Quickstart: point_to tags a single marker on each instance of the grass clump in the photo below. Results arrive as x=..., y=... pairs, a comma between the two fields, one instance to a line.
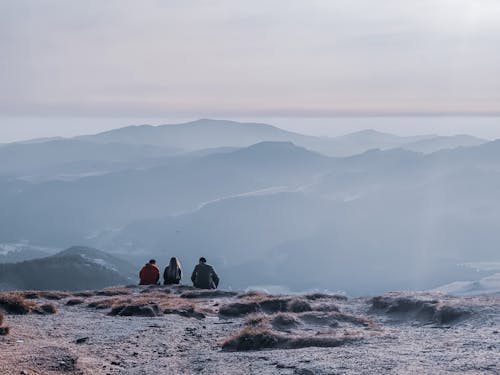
x=3, y=330
x=316, y=296
x=14, y=303
x=284, y=321
x=50, y=295
x=74, y=301
x=46, y=309
x=110, y=292
x=207, y=294
x=239, y=308
x=85, y=293
x=145, y=310
x=252, y=338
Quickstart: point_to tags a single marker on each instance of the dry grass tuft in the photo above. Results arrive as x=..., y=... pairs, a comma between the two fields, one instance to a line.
x=50, y=295
x=316, y=296
x=14, y=303
x=264, y=303
x=207, y=294
x=85, y=293
x=107, y=303
x=116, y=291
x=75, y=301
x=46, y=309
x=146, y=310
x=239, y=308
x=3, y=330
x=320, y=319
x=423, y=310
x=253, y=294
x=449, y=314
x=261, y=337
x=255, y=320
x=298, y=306
x=252, y=338
x=284, y=321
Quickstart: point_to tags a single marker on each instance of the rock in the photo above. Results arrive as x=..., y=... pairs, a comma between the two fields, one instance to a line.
x=81, y=340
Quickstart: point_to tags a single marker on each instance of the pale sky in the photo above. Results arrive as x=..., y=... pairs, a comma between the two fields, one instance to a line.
x=234, y=59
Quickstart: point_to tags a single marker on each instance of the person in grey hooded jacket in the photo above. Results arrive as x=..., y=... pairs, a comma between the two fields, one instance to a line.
x=204, y=276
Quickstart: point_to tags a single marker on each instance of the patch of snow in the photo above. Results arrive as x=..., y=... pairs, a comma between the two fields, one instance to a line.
x=100, y=262
x=486, y=285
x=482, y=266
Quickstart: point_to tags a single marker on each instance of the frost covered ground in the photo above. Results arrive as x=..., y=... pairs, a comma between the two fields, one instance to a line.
x=182, y=331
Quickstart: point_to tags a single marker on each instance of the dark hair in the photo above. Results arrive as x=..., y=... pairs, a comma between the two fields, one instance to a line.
x=152, y=261
x=203, y=260
x=174, y=263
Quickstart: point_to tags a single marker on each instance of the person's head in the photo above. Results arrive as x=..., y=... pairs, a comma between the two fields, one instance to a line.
x=174, y=262
x=203, y=260
x=152, y=261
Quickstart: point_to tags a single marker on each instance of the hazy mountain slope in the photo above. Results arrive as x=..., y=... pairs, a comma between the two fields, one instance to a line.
x=95, y=203
x=27, y=158
x=199, y=134
x=253, y=210
x=208, y=133
x=438, y=143
x=228, y=231
x=361, y=141
x=102, y=258
x=72, y=269
x=382, y=213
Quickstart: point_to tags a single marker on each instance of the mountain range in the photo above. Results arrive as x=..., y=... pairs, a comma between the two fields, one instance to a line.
x=262, y=204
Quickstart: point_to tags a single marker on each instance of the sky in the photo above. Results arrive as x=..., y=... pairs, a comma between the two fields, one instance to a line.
x=182, y=59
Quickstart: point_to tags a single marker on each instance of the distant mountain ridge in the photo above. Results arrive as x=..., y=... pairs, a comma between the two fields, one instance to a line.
x=146, y=146
x=209, y=133
x=76, y=268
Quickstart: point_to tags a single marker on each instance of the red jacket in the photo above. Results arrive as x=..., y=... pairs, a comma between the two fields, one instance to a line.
x=149, y=275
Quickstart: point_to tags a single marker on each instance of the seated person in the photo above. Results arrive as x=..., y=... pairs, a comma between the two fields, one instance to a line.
x=150, y=274
x=204, y=276
x=173, y=272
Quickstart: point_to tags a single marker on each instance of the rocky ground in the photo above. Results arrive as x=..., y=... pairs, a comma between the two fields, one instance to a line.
x=159, y=330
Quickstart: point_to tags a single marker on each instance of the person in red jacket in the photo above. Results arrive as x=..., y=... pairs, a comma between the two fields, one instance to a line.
x=150, y=274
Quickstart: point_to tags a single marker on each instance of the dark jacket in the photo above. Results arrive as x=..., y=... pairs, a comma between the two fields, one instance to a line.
x=171, y=279
x=204, y=277
x=149, y=275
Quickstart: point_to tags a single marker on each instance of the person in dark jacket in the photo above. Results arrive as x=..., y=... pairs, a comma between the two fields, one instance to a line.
x=204, y=276
x=173, y=272
x=150, y=274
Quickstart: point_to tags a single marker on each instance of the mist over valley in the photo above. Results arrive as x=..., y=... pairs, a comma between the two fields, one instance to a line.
x=363, y=213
